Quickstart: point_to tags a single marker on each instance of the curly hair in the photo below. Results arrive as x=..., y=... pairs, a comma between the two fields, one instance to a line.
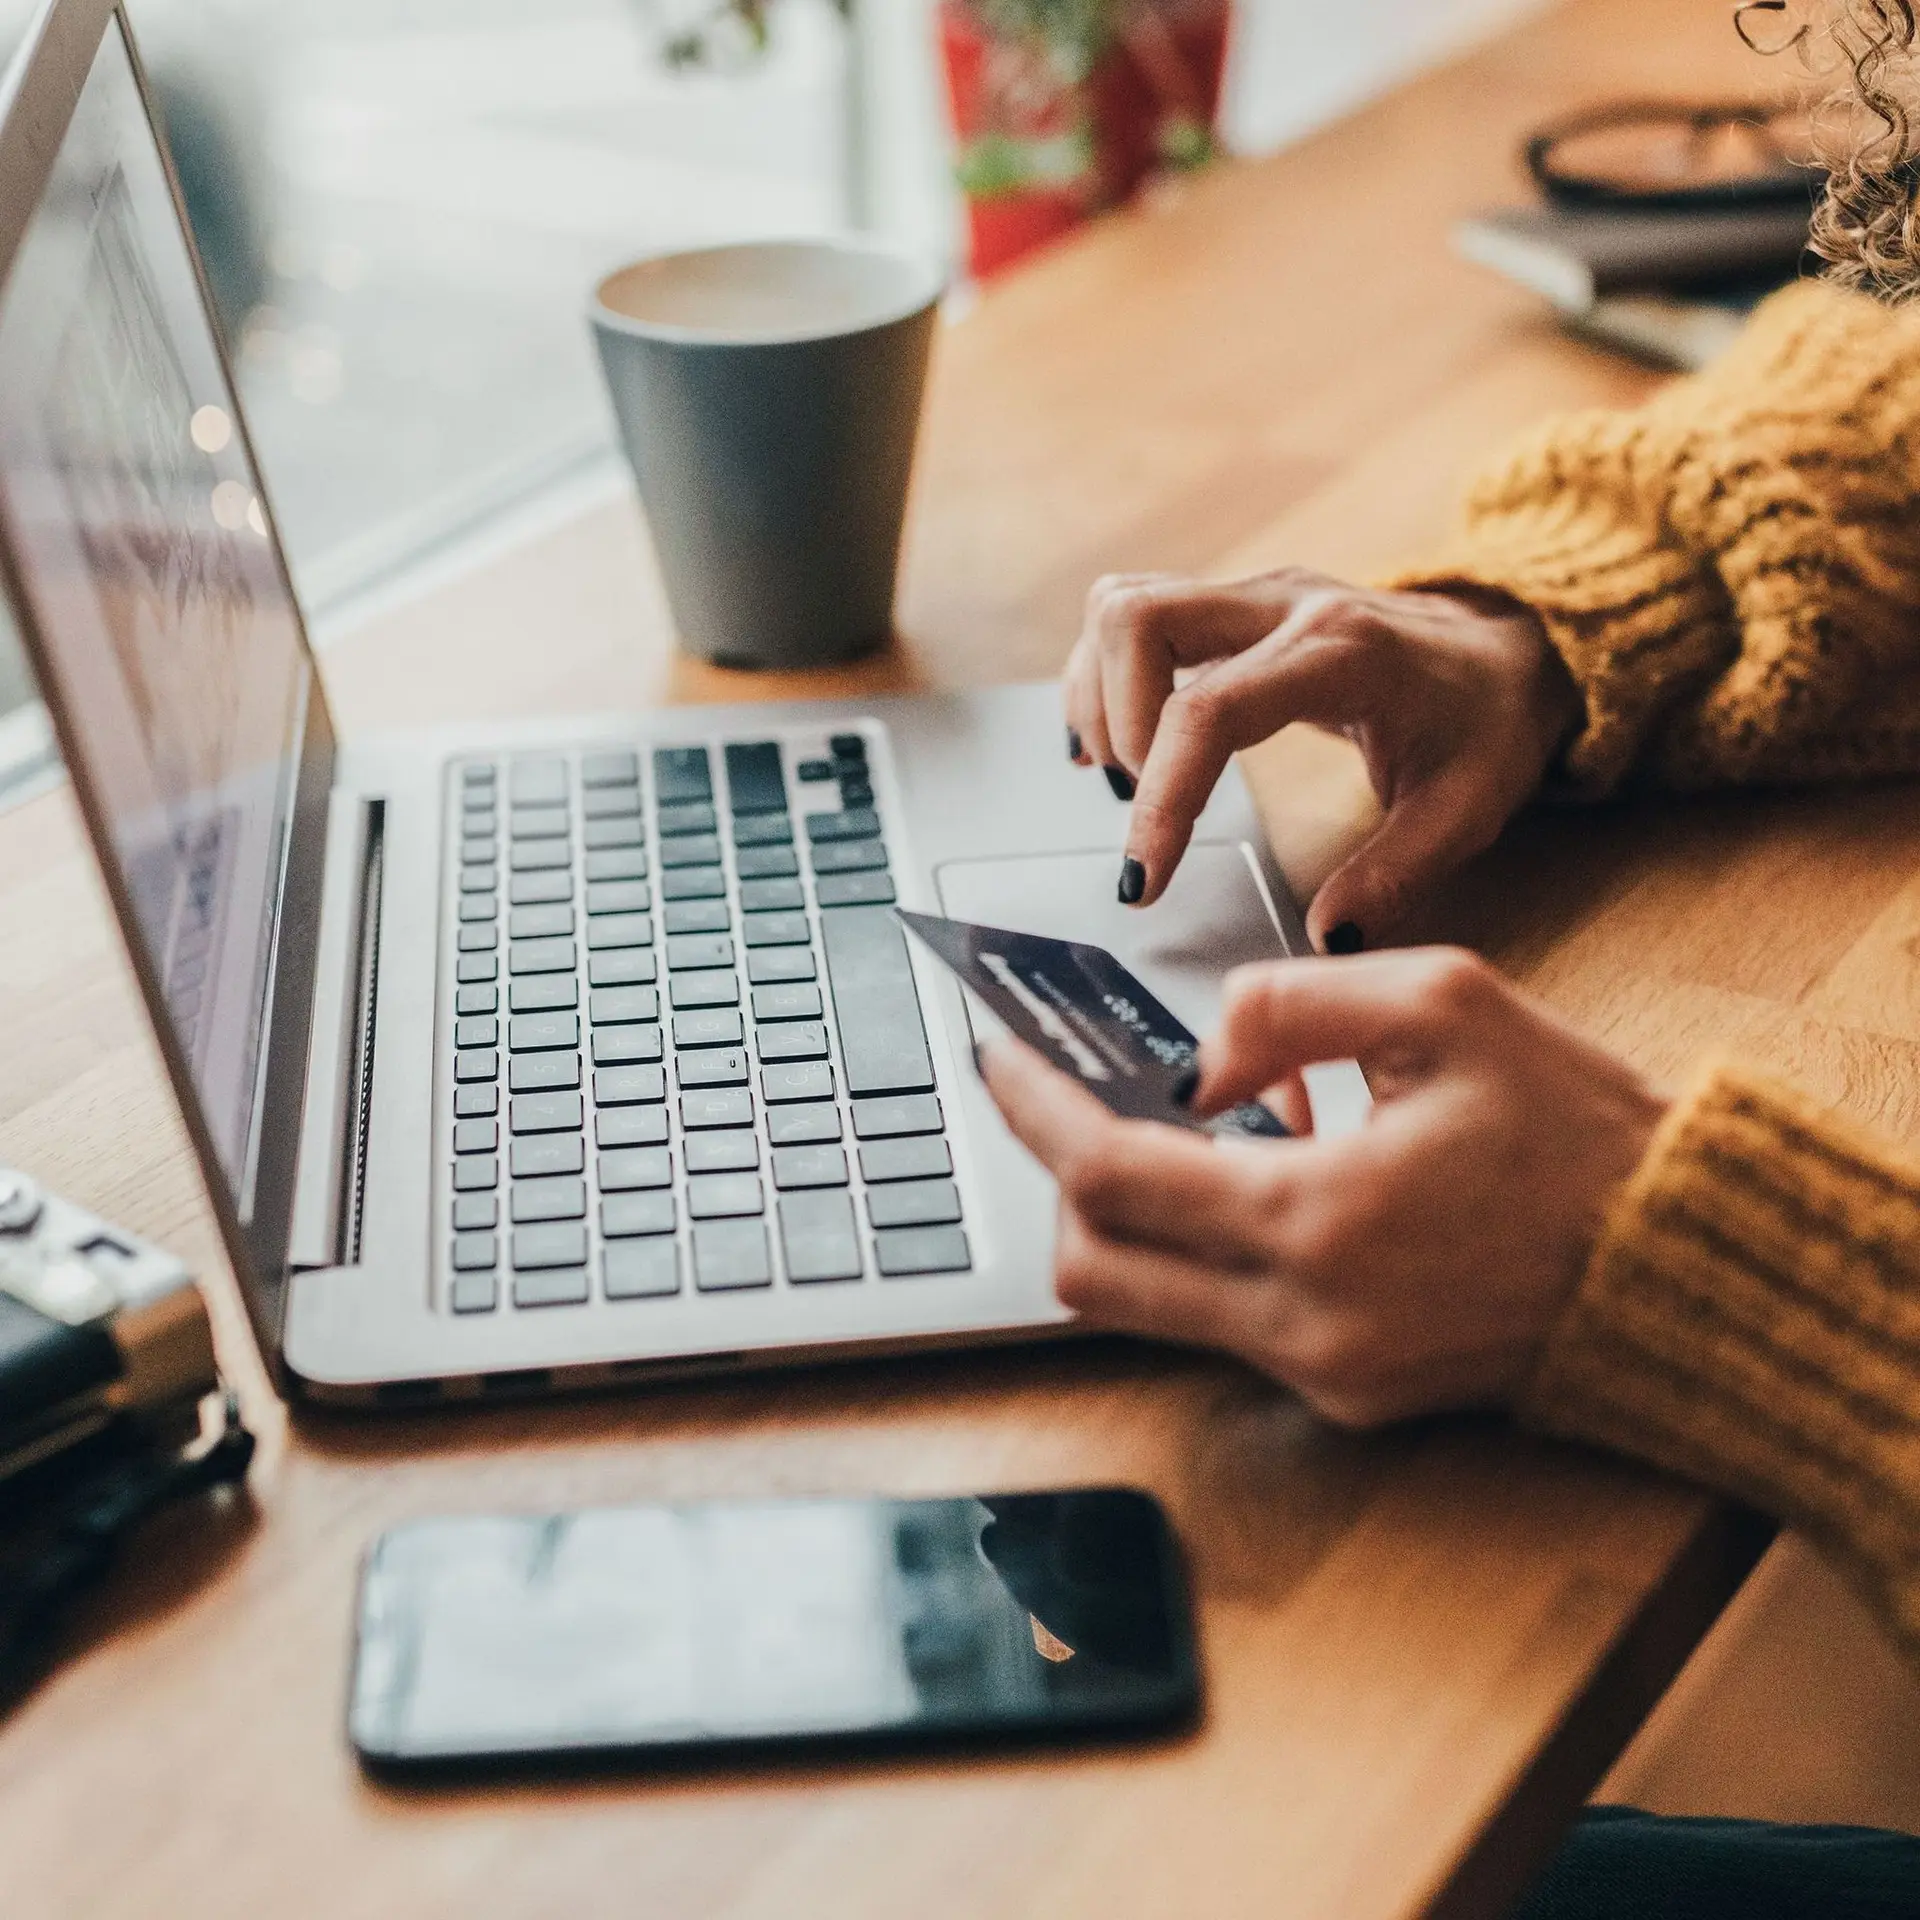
x=1867, y=225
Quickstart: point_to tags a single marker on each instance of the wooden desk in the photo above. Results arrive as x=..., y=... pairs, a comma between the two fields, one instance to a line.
x=1421, y=1648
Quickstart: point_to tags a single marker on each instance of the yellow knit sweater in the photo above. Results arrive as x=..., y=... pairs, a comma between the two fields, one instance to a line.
x=1732, y=575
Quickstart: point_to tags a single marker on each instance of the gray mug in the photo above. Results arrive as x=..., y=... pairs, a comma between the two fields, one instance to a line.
x=769, y=396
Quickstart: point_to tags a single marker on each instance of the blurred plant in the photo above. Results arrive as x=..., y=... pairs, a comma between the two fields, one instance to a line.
x=719, y=34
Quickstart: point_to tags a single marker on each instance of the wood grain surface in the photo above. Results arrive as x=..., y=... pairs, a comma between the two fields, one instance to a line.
x=1421, y=1648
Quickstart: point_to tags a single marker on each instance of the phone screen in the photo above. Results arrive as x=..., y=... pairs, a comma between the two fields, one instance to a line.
x=625, y=1630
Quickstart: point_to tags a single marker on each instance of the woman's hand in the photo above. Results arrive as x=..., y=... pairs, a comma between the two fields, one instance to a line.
x=1457, y=702
x=1413, y=1265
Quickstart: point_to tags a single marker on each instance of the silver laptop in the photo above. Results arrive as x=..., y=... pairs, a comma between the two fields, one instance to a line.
x=565, y=1054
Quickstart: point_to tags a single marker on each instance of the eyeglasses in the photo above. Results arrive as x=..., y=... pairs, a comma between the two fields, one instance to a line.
x=1667, y=155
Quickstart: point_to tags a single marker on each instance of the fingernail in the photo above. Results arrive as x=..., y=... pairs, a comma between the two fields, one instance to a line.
x=1075, y=751
x=1345, y=938
x=1120, y=780
x=1133, y=882
x=1186, y=1087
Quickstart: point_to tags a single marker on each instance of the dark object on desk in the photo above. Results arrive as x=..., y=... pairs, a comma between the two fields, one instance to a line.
x=637, y=1633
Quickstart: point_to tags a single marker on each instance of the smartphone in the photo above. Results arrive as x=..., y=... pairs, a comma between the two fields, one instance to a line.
x=653, y=1632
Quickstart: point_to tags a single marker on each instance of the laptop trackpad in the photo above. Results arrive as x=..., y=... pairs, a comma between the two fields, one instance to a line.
x=1214, y=917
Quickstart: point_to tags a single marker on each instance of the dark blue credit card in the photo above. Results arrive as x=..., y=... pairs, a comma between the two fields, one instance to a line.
x=1078, y=1007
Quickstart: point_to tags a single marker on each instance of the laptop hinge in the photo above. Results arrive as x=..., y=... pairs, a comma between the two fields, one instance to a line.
x=327, y=1198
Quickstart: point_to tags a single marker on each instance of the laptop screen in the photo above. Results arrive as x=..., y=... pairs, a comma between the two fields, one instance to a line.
x=166, y=629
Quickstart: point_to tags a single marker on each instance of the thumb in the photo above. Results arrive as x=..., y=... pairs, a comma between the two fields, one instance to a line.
x=1289, y=1014
x=1426, y=834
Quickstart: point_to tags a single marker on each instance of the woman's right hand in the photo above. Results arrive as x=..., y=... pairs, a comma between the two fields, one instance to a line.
x=1457, y=702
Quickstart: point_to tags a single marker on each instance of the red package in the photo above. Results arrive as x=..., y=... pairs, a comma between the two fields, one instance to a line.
x=1062, y=107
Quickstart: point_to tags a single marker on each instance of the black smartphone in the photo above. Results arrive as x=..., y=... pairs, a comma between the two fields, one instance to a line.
x=635, y=1633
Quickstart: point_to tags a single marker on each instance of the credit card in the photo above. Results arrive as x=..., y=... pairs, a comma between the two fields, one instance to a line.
x=1078, y=1007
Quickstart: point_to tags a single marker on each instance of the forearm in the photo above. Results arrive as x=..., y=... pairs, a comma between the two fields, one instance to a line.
x=1751, y=1318
x=1732, y=573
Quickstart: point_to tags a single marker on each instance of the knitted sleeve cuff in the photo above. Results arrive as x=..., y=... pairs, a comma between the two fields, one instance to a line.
x=1751, y=1318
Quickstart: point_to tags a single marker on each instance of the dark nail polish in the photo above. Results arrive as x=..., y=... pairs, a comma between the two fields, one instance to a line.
x=1120, y=780
x=1345, y=938
x=1186, y=1087
x=1075, y=751
x=1133, y=882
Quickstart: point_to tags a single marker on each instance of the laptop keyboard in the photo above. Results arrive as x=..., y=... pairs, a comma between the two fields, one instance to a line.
x=688, y=1048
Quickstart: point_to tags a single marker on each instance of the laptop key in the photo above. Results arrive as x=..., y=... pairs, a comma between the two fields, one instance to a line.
x=755, y=783
x=689, y=816
x=770, y=896
x=640, y=1269
x=855, y=793
x=609, y=769
x=724, y=1196
x=775, y=929
x=543, y=993
x=631, y=1127
x=697, y=916
x=687, y=951
x=815, y=770
x=477, y=1173
x=924, y=1158
x=854, y=889
x=630, y=1169
x=599, y=834
x=731, y=1254
x=538, y=823
x=622, y=1046
x=478, y=773
x=705, y=1107
x=476, y=1136
x=475, y=967
x=479, y=1063
x=541, y=956
x=608, y=930
x=795, y=1167
x=735, y=1151
x=690, y=850
x=539, y=889
x=475, y=1212
x=478, y=906
x=848, y=856
x=556, y=1199
x=851, y=823
x=542, y=1072
x=800, y=1040
x=537, y=780
x=560, y=1243
x=535, y=1032
x=616, y=863
x=806, y=1124
x=771, y=966
x=811, y=1080
x=708, y=1027
x=762, y=830
x=625, y=1215
x=476, y=1030
x=818, y=1237
x=714, y=1067
x=539, y=856
x=479, y=875
x=847, y=746
x=709, y=987
x=472, y=1000
x=681, y=773
x=765, y=863
x=474, y=1101
x=558, y=1287
x=478, y=940
x=610, y=803
x=883, y=1044
x=540, y=923
x=473, y=1252
x=884, y=1119
x=693, y=883
x=914, y=1250
x=797, y=1000
x=619, y=896
x=914, y=1203
x=612, y=1006
x=545, y=1113
x=629, y=1086
x=623, y=967
x=544, y=1154
x=474, y=1293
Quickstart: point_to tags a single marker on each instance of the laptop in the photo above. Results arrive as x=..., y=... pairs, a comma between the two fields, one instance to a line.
x=541, y=1056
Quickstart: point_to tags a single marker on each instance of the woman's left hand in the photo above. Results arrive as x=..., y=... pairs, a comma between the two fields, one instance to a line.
x=1416, y=1264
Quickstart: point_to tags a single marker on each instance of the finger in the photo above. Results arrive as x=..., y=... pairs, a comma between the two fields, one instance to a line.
x=1080, y=684
x=1304, y=670
x=1426, y=834
x=1290, y=1014
x=1159, y=1185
